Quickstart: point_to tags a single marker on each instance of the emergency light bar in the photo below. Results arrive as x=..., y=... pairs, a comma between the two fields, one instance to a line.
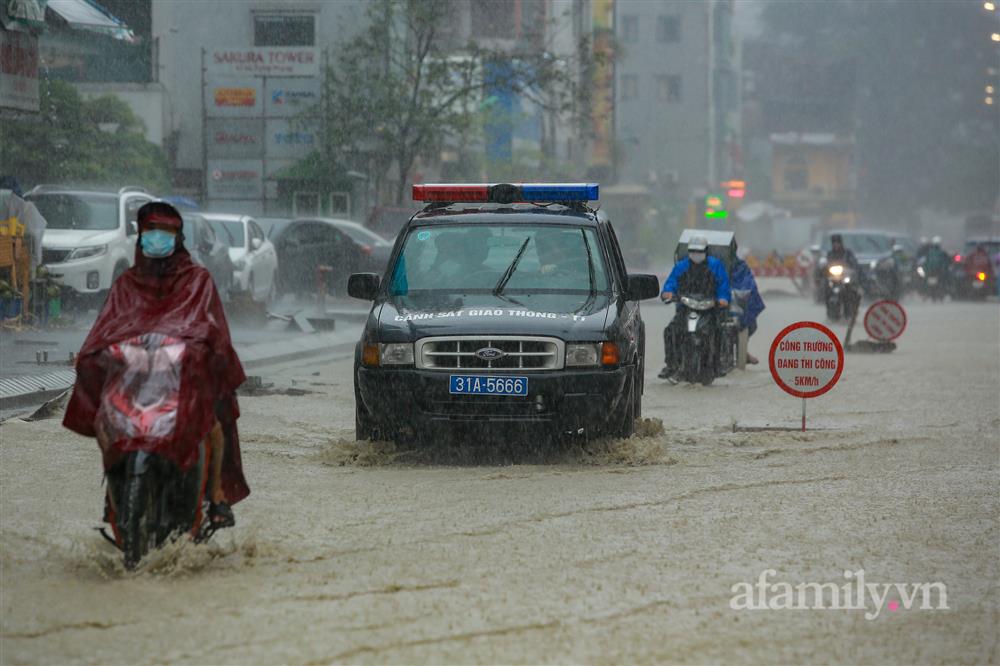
x=504, y=192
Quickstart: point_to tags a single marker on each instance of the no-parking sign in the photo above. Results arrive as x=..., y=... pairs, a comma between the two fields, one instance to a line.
x=806, y=361
x=885, y=320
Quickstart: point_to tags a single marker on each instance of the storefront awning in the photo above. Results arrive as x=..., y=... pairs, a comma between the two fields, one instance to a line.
x=87, y=15
x=23, y=15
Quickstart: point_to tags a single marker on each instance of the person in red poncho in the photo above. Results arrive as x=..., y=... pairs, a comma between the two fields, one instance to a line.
x=166, y=293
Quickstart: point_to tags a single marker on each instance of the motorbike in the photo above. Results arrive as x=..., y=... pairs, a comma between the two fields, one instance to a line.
x=150, y=500
x=699, y=343
x=933, y=284
x=734, y=345
x=840, y=294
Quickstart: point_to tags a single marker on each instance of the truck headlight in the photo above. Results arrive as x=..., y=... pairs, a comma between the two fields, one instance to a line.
x=85, y=252
x=396, y=353
x=584, y=354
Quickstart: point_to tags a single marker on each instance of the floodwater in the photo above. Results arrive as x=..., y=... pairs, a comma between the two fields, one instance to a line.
x=602, y=553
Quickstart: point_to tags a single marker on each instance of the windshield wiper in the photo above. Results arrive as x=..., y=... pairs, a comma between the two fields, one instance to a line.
x=505, y=278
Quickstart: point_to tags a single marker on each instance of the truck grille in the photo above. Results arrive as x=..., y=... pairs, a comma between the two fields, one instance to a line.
x=509, y=353
x=50, y=256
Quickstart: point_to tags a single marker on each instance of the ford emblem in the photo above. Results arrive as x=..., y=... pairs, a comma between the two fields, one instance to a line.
x=490, y=353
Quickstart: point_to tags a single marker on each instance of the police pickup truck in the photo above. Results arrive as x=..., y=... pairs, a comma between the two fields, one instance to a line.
x=505, y=307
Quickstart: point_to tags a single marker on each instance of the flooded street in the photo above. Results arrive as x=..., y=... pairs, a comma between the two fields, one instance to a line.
x=606, y=552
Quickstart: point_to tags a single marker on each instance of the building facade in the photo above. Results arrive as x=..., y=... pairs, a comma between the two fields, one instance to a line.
x=677, y=115
x=235, y=77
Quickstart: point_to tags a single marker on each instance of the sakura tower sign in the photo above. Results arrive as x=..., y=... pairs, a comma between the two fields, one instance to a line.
x=253, y=99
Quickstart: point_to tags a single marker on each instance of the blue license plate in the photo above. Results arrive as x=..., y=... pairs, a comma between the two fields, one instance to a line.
x=487, y=385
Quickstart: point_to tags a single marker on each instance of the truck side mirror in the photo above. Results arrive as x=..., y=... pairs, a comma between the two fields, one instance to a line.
x=363, y=285
x=642, y=286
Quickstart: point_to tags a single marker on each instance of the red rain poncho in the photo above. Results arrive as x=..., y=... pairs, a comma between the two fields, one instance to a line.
x=177, y=298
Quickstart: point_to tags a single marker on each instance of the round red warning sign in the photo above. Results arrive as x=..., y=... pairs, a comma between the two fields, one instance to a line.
x=806, y=359
x=885, y=320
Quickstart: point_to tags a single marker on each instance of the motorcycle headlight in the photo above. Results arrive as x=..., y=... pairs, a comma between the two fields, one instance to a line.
x=85, y=252
x=583, y=354
x=920, y=271
x=240, y=264
x=873, y=264
x=836, y=270
x=697, y=304
x=396, y=353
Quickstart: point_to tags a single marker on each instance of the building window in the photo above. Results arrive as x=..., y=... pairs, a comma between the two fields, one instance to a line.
x=630, y=87
x=284, y=30
x=796, y=174
x=630, y=29
x=668, y=29
x=495, y=19
x=340, y=203
x=668, y=88
x=305, y=204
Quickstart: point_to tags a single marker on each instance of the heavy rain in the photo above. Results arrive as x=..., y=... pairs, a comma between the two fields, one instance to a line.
x=499, y=331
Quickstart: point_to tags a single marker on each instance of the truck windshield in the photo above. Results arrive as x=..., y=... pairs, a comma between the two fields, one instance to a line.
x=77, y=211
x=474, y=258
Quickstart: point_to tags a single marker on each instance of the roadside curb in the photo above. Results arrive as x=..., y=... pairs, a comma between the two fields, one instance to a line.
x=26, y=390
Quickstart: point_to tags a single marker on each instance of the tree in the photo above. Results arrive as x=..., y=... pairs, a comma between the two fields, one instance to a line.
x=73, y=140
x=915, y=74
x=403, y=88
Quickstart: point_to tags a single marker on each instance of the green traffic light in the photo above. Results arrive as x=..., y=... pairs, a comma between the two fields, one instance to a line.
x=716, y=214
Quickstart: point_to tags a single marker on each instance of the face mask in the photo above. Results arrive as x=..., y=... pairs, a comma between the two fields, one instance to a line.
x=157, y=244
x=696, y=257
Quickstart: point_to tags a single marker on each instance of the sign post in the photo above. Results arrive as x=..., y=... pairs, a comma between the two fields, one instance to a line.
x=806, y=361
x=885, y=321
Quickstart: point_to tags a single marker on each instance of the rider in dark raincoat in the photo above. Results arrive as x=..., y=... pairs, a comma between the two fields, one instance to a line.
x=166, y=293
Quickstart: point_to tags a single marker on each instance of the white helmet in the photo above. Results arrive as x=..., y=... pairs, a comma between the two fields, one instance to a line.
x=698, y=244
x=936, y=241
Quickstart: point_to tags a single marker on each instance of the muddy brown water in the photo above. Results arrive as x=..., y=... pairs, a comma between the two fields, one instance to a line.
x=601, y=552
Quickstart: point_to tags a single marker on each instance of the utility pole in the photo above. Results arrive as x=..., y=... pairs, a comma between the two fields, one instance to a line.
x=711, y=94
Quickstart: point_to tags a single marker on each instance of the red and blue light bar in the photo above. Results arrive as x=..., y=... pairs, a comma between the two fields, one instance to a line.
x=504, y=192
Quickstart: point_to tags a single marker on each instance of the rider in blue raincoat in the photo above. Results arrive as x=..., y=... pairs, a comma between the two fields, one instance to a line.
x=699, y=273
x=742, y=280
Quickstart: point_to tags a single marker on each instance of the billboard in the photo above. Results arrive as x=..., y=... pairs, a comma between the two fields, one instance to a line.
x=19, y=71
x=263, y=61
x=234, y=98
x=235, y=179
x=289, y=139
x=289, y=96
x=234, y=137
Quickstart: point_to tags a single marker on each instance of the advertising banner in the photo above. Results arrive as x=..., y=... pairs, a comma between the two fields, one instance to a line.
x=289, y=96
x=289, y=139
x=234, y=137
x=235, y=179
x=234, y=98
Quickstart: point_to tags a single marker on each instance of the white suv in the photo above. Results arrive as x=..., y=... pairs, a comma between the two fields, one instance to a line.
x=89, y=235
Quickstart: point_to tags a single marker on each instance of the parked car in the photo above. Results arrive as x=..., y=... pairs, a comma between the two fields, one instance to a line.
x=304, y=245
x=255, y=261
x=90, y=235
x=202, y=240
